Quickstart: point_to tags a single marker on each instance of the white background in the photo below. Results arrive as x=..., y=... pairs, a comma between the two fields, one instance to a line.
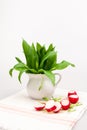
x=61, y=22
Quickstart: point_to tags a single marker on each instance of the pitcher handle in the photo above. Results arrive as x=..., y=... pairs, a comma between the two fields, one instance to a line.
x=58, y=79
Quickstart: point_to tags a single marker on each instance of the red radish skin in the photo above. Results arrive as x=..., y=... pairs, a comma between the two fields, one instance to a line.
x=58, y=107
x=39, y=106
x=72, y=92
x=50, y=106
x=73, y=98
x=65, y=104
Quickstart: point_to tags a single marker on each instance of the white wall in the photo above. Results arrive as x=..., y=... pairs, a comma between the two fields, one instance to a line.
x=62, y=22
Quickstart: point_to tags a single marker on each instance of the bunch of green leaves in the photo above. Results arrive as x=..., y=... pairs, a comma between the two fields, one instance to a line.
x=39, y=60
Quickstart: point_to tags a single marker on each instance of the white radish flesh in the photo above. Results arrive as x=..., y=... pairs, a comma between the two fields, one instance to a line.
x=73, y=98
x=58, y=107
x=50, y=105
x=65, y=104
x=39, y=106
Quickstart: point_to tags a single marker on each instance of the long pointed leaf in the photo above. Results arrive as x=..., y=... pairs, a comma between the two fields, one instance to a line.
x=18, y=60
x=10, y=71
x=19, y=76
x=27, y=52
x=51, y=76
x=49, y=54
x=20, y=67
x=50, y=48
x=50, y=61
x=62, y=65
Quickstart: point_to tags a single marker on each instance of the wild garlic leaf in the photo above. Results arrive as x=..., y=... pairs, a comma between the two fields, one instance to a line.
x=29, y=70
x=72, y=105
x=28, y=53
x=57, y=99
x=50, y=75
x=19, y=76
x=45, y=57
x=50, y=48
x=18, y=60
x=43, y=51
x=34, y=58
x=78, y=104
x=46, y=99
x=38, y=49
x=50, y=61
x=71, y=109
x=20, y=67
x=10, y=71
x=62, y=65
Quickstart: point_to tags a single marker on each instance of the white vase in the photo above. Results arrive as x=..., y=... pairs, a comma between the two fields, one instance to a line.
x=39, y=86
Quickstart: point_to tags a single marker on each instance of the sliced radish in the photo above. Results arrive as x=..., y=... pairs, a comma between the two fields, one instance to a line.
x=58, y=107
x=50, y=106
x=72, y=92
x=39, y=106
x=73, y=98
x=65, y=104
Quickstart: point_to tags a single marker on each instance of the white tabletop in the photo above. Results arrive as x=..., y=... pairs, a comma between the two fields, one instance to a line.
x=17, y=113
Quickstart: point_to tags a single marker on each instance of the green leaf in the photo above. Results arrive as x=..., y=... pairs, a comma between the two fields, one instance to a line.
x=72, y=105
x=62, y=65
x=38, y=47
x=35, y=58
x=71, y=110
x=50, y=75
x=30, y=55
x=41, y=84
x=10, y=71
x=57, y=99
x=50, y=61
x=23, y=67
x=45, y=57
x=27, y=52
x=19, y=76
x=78, y=104
x=18, y=60
x=20, y=67
x=32, y=71
x=41, y=51
x=41, y=71
x=46, y=99
x=75, y=105
x=50, y=48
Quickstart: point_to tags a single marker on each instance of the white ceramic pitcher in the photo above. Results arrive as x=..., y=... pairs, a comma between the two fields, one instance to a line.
x=39, y=86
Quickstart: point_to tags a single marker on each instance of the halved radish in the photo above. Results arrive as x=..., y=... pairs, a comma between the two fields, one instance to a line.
x=58, y=107
x=72, y=92
x=39, y=106
x=73, y=98
x=65, y=104
x=50, y=106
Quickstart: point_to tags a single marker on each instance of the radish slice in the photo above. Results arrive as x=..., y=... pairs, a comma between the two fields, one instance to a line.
x=73, y=98
x=72, y=92
x=39, y=106
x=50, y=106
x=65, y=104
x=58, y=107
